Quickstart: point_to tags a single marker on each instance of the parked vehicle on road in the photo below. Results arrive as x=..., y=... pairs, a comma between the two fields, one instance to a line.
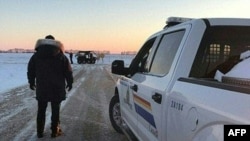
x=86, y=57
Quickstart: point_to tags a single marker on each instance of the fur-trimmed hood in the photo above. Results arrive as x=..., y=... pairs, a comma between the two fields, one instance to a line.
x=49, y=42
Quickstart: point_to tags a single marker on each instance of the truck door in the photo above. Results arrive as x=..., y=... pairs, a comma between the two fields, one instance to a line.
x=151, y=85
x=129, y=86
x=147, y=103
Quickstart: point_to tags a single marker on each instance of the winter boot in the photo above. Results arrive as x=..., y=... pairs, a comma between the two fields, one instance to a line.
x=39, y=135
x=56, y=132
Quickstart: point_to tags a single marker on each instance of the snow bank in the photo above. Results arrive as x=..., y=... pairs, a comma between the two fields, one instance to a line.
x=13, y=70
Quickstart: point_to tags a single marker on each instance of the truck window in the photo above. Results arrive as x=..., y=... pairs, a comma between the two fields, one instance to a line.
x=138, y=64
x=166, y=52
x=220, y=49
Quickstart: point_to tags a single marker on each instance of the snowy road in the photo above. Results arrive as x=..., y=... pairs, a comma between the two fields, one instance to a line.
x=84, y=114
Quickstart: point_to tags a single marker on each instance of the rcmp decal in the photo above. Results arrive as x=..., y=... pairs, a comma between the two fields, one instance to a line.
x=124, y=82
x=127, y=99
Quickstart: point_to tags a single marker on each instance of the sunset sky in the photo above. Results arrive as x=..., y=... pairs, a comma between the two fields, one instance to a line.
x=113, y=25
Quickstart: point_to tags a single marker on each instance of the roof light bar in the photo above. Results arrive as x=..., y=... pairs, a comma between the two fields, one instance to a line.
x=176, y=20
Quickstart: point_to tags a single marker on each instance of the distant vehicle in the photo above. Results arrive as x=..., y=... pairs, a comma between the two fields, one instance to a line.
x=86, y=57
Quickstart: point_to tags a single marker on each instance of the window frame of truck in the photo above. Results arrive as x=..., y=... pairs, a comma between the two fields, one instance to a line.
x=148, y=111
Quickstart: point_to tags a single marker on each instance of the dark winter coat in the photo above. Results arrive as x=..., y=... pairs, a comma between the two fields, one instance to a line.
x=49, y=69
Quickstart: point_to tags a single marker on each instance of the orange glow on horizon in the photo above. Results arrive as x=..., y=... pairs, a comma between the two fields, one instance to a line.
x=76, y=43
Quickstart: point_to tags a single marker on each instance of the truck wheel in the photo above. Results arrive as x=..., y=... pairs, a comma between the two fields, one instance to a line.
x=115, y=114
x=79, y=61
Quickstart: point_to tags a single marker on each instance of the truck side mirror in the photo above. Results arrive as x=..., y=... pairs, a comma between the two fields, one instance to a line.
x=118, y=67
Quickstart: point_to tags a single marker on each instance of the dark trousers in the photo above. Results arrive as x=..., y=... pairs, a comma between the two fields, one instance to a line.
x=71, y=60
x=41, y=115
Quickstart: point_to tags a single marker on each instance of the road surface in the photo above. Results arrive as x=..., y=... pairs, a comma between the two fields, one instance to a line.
x=84, y=114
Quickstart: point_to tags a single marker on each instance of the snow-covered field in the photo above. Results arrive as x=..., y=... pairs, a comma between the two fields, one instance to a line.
x=13, y=68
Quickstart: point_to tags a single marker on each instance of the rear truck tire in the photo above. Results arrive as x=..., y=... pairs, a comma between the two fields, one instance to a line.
x=79, y=61
x=115, y=114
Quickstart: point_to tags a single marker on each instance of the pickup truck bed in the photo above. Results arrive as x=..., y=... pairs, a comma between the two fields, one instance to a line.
x=224, y=103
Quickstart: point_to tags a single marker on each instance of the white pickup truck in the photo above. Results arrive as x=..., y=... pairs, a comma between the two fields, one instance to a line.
x=179, y=86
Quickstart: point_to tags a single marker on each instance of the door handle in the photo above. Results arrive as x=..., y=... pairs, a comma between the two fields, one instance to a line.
x=134, y=87
x=157, y=98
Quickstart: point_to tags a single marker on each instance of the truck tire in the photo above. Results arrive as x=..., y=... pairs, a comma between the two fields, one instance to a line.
x=115, y=114
x=79, y=61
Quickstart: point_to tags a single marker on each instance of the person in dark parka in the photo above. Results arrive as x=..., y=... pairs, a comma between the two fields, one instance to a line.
x=49, y=73
x=71, y=57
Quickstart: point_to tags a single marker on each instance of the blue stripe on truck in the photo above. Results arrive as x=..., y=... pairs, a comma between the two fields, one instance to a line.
x=145, y=114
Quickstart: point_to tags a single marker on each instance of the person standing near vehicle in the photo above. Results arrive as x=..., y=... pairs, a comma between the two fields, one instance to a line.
x=48, y=69
x=71, y=57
